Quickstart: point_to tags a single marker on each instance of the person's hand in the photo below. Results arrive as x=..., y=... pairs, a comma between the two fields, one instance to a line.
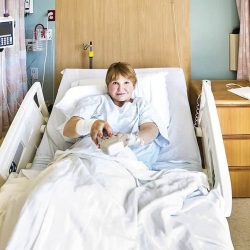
x=130, y=139
x=124, y=138
x=99, y=129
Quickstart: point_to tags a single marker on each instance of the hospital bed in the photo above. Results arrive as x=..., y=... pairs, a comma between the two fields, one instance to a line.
x=197, y=221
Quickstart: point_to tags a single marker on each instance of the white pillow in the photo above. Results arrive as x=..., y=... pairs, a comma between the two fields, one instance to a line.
x=74, y=94
x=151, y=86
x=89, y=81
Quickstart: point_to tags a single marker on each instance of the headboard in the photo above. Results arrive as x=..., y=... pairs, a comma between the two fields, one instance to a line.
x=144, y=33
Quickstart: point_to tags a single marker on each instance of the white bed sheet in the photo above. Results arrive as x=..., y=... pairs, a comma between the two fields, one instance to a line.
x=182, y=152
x=88, y=200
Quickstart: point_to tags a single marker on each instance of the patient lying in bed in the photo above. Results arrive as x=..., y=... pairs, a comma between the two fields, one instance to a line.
x=133, y=122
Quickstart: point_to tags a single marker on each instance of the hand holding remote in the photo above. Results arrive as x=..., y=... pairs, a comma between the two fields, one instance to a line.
x=111, y=145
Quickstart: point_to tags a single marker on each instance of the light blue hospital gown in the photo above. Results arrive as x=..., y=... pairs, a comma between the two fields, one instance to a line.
x=125, y=119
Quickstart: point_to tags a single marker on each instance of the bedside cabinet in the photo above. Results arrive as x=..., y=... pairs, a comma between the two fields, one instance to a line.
x=234, y=116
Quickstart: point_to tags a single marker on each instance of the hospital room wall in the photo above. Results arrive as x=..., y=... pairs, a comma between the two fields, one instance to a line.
x=38, y=59
x=211, y=22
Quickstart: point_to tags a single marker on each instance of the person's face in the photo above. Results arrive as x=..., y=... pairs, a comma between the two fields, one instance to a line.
x=120, y=90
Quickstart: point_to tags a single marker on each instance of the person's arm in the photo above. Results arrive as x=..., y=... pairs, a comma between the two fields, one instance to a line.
x=148, y=132
x=70, y=127
x=77, y=126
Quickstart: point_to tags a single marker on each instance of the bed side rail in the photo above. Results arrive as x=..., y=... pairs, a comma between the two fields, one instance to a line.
x=25, y=133
x=213, y=146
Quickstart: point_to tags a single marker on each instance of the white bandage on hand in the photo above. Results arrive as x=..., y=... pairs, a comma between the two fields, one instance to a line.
x=83, y=127
x=134, y=140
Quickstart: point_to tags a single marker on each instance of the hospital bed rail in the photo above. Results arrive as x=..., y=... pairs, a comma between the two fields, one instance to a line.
x=24, y=135
x=213, y=147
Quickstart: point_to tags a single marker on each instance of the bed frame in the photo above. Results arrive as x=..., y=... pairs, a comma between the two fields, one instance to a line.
x=213, y=147
x=24, y=135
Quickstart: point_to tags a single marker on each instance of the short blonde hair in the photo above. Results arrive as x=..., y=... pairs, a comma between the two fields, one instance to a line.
x=120, y=68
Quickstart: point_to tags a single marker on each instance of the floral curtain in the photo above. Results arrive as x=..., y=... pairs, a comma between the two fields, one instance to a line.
x=13, y=77
x=243, y=72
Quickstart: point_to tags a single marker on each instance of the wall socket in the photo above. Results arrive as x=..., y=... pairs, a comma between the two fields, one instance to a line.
x=29, y=44
x=49, y=34
x=34, y=73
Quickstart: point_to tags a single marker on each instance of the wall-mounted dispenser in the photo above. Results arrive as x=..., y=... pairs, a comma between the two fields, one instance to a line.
x=234, y=49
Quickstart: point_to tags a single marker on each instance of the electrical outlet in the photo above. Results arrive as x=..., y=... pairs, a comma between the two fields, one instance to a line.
x=29, y=44
x=49, y=34
x=34, y=73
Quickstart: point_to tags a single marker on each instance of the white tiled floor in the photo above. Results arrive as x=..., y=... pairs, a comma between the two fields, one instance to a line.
x=239, y=223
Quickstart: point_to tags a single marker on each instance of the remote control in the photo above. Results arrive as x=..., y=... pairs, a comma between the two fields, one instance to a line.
x=111, y=145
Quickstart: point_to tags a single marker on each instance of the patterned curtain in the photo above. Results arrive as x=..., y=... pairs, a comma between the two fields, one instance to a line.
x=12, y=66
x=243, y=72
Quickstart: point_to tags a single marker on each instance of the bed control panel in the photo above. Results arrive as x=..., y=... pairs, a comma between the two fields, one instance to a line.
x=111, y=145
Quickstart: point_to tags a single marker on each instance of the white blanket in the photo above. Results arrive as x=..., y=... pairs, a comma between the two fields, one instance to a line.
x=93, y=202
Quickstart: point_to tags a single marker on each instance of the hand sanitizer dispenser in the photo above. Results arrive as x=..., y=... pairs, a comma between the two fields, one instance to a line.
x=6, y=32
